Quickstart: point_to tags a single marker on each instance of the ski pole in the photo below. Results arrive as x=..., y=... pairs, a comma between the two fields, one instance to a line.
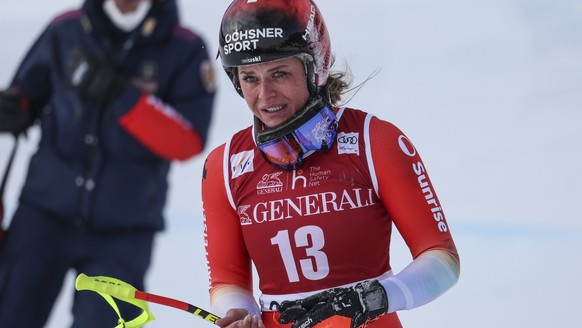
x=127, y=293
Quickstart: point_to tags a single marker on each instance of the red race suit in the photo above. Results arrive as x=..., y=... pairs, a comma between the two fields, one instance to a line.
x=327, y=224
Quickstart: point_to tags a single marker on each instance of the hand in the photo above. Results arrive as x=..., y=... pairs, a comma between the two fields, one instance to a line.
x=95, y=78
x=364, y=301
x=15, y=116
x=239, y=318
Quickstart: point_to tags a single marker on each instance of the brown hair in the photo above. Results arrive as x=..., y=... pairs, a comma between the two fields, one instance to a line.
x=339, y=83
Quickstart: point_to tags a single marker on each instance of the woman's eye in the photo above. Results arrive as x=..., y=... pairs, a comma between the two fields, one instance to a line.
x=249, y=79
x=280, y=74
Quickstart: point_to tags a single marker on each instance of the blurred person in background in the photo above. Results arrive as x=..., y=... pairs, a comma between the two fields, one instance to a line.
x=120, y=90
x=309, y=193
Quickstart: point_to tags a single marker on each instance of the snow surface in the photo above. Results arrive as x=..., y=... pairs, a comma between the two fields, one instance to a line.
x=490, y=92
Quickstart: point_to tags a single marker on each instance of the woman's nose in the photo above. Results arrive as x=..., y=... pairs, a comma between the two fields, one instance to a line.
x=266, y=90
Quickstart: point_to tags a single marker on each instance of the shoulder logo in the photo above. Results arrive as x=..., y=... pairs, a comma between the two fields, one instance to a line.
x=241, y=163
x=348, y=143
x=207, y=76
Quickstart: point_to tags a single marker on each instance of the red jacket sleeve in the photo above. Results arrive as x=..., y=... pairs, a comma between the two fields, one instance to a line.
x=407, y=192
x=227, y=258
x=162, y=129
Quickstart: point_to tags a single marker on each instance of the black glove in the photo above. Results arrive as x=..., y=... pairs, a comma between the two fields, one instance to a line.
x=15, y=116
x=364, y=301
x=95, y=78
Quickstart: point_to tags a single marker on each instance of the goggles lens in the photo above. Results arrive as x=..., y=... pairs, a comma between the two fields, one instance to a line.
x=318, y=133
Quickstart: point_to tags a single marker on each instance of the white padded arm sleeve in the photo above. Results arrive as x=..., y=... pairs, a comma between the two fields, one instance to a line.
x=427, y=277
x=228, y=297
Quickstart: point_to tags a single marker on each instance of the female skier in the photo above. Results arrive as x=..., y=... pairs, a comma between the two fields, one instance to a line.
x=309, y=192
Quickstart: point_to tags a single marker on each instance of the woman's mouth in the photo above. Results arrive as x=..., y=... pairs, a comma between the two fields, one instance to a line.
x=273, y=109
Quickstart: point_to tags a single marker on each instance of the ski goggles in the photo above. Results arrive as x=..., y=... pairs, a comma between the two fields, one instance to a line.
x=287, y=150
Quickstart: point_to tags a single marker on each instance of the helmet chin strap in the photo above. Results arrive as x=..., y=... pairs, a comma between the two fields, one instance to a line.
x=126, y=21
x=309, y=73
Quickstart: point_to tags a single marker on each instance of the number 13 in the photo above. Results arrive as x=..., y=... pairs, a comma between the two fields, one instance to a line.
x=315, y=267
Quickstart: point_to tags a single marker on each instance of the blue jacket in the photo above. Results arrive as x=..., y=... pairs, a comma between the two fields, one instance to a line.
x=105, y=166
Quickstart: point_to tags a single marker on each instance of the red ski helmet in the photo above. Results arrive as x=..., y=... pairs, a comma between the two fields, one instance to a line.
x=259, y=31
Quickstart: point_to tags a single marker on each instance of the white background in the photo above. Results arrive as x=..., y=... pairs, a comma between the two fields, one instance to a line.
x=490, y=92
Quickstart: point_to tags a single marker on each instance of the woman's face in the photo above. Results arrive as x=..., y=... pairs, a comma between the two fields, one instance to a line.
x=275, y=90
